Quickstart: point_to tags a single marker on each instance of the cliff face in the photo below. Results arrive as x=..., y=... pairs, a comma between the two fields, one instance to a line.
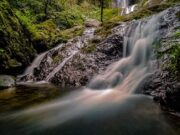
x=16, y=50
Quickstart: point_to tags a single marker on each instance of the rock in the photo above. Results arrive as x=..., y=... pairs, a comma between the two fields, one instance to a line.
x=6, y=81
x=163, y=84
x=92, y=23
x=79, y=70
x=151, y=3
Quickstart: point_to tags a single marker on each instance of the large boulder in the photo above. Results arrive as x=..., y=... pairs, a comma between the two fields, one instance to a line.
x=6, y=81
x=92, y=23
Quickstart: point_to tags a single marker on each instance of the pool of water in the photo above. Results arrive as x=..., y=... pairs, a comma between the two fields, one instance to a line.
x=48, y=110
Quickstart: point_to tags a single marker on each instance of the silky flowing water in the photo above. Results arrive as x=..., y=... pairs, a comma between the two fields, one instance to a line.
x=47, y=110
x=109, y=105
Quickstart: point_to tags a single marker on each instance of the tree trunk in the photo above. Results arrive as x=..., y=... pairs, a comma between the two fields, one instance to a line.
x=102, y=7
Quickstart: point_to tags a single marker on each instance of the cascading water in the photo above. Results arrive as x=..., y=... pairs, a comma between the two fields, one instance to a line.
x=117, y=83
x=128, y=73
x=125, y=6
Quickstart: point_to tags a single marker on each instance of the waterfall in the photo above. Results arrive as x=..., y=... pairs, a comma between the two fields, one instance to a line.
x=118, y=82
x=126, y=6
x=124, y=3
x=35, y=63
x=128, y=73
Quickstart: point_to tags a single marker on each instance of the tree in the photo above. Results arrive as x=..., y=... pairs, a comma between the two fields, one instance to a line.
x=102, y=8
x=46, y=4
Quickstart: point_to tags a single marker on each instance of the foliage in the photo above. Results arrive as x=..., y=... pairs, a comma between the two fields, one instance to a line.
x=105, y=30
x=89, y=49
x=14, y=42
x=178, y=14
x=177, y=33
x=173, y=53
x=72, y=32
x=173, y=64
x=30, y=26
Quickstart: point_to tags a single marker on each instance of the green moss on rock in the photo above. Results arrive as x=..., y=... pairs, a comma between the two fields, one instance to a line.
x=89, y=49
x=16, y=49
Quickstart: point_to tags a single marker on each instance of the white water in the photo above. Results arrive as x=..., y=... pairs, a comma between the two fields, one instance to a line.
x=129, y=9
x=127, y=74
x=125, y=6
x=35, y=63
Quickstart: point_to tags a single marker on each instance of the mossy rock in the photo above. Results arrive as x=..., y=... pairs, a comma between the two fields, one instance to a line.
x=15, y=47
x=89, y=49
x=72, y=32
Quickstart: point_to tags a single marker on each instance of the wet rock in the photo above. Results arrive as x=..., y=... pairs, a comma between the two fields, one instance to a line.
x=92, y=23
x=163, y=84
x=79, y=70
x=6, y=81
x=172, y=97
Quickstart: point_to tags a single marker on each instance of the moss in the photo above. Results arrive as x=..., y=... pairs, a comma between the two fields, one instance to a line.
x=89, y=49
x=110, y=13
x=72, y=32
x=14, y=63
x=2, y=50
x=80, y=65
x=13, y=40
x=177, y=33
x=142, y=2
x=173, y=65
x=59, y=26
x=105, y=30
x=158, y=8
x=178, y=14
x=57, y=59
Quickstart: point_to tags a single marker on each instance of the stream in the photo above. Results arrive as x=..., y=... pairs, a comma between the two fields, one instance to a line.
x=41, y=109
